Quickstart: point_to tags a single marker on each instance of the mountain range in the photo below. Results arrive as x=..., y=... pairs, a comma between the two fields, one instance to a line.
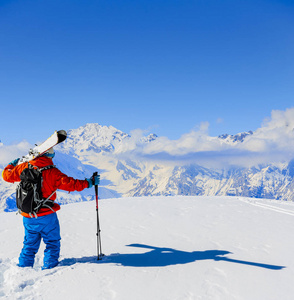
x=127, y=169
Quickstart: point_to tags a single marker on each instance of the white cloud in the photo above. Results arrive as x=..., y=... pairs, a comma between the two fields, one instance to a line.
x=11, y=152
x=275, y=135
x=272, y=142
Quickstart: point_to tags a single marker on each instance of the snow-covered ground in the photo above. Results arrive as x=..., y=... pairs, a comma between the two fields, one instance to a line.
x=160, y=248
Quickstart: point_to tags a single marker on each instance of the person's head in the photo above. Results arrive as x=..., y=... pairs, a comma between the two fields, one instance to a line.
x=49, y=153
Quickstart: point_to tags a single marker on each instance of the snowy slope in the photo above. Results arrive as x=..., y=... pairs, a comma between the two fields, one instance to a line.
x=160, y=248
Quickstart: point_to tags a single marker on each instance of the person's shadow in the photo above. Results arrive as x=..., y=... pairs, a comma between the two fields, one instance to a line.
x=161, y=257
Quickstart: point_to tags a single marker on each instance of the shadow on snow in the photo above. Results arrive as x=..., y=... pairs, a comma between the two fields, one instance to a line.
x=161, y=257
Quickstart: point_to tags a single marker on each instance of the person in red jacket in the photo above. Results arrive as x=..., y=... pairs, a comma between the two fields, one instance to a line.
x=45, y=224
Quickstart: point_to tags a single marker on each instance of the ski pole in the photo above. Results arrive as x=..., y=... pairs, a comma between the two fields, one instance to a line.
x=99, y=249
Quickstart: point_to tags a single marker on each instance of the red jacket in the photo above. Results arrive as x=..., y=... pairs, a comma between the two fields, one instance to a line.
x=53, y=179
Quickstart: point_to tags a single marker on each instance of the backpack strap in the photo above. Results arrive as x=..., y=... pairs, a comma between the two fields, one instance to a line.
x=30, y=166
x=43, y=203
x=49, y=200
x=47, y=168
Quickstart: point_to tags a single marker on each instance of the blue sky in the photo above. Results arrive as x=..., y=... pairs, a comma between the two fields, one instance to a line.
x=160, y=65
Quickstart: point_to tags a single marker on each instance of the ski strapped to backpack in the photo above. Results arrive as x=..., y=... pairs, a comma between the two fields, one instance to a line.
x=29, y=198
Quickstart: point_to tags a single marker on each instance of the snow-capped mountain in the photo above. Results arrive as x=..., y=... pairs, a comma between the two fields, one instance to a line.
x=126, y=170
x=235, y=138
x=268, y=182
x=92, y=138
x=129, y=175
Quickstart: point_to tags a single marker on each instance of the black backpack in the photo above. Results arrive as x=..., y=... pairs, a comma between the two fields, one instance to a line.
x=29, y=198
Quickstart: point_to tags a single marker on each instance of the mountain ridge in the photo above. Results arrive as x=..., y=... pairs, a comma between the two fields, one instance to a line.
x=132, y=176
x=125, y=171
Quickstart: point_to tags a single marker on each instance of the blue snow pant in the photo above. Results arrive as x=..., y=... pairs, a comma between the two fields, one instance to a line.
x=46, y=228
